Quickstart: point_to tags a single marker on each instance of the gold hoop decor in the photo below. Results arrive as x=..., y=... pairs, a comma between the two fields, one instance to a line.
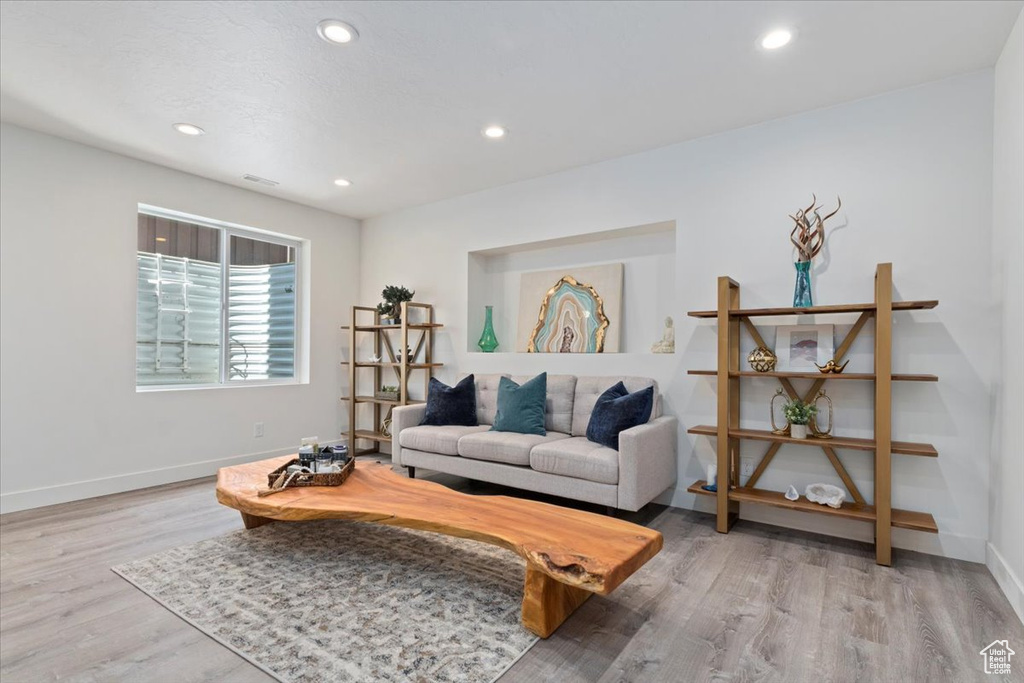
x=818, y=433
x=771, y=410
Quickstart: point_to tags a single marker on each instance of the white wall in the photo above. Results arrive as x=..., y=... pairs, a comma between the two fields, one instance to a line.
x=914, y=171
x=73, y=424
x=1006, y=540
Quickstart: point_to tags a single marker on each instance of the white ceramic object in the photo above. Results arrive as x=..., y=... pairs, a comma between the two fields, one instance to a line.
x=712, y=474
x=825, y=494
x=798, y=431
x=791, y=493
x=667, y=343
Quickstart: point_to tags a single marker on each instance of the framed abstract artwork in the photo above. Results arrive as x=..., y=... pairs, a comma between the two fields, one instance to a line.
x=572, y=310
x=799, y=347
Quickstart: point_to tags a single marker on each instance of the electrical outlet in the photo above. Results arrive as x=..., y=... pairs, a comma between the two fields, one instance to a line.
x=257, y=430
x=746, y=468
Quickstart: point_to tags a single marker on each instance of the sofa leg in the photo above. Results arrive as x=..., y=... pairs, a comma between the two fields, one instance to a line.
x=610, y=511
x=412, y=472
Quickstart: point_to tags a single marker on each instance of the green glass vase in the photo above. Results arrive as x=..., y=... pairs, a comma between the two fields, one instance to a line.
x=802, y=292
x=488, y=342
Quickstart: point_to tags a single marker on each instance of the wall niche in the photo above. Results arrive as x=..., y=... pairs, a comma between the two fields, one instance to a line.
x=646, y=252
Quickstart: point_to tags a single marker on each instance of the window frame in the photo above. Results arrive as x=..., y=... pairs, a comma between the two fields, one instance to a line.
x=226, y=231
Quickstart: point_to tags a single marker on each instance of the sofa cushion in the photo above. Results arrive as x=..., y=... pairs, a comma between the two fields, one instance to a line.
x=579, y=458
x=511, y=448
x=486, y=397
x=588, y=389
x=617, y=410
x=444, y=440
x=558, y=406
x=451, y=405
x=521, y=407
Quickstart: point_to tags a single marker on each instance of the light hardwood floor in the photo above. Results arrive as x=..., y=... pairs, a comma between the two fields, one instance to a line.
x=758, y=604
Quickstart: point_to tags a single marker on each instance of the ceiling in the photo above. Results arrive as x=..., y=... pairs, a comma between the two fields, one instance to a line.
x=399, y=112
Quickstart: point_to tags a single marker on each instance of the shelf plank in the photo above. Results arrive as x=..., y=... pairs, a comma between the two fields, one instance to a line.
x=381, y=401
x=869, y=376
x=903, y=447
x=906, y=519
x=412, y=366
x=812, y=310
x=411, y=326
x=371, y=435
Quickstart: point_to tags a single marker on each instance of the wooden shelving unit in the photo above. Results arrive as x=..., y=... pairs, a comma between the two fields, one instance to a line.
x=393, y=360
x=731, y=317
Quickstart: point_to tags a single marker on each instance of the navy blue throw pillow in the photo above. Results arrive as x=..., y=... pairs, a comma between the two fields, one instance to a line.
x=617, y=410
x=451, y=405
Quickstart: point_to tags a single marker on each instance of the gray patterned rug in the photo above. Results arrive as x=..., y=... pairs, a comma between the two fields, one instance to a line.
x=332, y=601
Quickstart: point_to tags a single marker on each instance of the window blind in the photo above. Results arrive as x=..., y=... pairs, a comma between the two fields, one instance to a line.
x=178, y=321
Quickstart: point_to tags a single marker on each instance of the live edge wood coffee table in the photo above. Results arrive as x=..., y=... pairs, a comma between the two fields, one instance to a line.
x=569, y=554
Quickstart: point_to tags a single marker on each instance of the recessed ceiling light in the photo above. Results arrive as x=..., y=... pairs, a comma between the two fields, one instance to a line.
x=337, y=32
x=343, y=182
x=494, y=132
x=188, y=129
x=776, y=39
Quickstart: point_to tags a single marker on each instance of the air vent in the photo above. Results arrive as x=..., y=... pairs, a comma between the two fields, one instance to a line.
x=262, y=181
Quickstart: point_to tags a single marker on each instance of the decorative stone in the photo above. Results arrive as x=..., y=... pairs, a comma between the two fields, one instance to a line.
x=825, y=494
x=791, y=493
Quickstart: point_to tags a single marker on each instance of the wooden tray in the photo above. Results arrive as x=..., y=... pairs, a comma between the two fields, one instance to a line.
x=314, y=479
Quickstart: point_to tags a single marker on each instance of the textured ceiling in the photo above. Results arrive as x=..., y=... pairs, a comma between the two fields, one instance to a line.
x=399, y=112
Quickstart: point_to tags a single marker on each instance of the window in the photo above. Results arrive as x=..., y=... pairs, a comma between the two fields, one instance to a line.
x=216, y=303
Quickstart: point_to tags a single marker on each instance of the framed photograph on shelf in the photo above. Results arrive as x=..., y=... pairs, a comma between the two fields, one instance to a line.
x=799, y=347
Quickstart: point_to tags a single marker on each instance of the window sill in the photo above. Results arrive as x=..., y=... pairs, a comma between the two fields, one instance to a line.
x=155, y=388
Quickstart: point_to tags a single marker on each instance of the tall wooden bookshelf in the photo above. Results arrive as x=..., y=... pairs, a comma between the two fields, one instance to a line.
x=728, y=433
x=395, y=367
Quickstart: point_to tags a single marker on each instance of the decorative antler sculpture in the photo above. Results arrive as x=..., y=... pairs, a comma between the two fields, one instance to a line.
x=808, y=235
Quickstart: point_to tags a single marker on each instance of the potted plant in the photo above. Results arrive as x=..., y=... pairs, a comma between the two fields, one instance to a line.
x=384, y=309
x=799, y=415
x=390, y=309
x=387, y=393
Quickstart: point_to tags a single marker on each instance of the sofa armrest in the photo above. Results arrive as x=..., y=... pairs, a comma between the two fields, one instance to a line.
x=647, y=461
x=403, y=417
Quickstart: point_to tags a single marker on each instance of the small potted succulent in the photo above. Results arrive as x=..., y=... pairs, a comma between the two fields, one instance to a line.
x=799, y=415
x=390, y=309
x=387, y=393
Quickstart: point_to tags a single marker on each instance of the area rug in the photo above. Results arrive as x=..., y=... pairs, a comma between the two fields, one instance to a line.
x=333, y=601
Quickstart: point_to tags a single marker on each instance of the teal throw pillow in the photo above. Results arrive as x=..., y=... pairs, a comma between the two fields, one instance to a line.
x=521, y=408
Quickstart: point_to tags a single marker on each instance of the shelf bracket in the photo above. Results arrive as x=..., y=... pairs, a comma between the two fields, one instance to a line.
x=763, y=465
x=391, y=354
x=844, y=475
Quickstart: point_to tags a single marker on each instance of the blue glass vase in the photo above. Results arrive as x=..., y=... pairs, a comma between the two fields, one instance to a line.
x=488, y=342
x=802, y=292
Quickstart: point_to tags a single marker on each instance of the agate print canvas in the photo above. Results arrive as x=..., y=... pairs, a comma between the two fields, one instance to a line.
x=571, y=310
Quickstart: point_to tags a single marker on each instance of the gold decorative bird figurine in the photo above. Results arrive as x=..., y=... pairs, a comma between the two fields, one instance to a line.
x=832, y=367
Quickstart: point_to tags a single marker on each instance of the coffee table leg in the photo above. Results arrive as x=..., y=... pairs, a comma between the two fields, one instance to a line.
x=252, y=521
x=548, y=602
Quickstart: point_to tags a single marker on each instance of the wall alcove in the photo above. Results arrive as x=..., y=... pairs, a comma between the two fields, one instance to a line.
x=647, y=253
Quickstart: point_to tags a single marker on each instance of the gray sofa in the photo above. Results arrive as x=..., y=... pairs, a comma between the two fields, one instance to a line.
x=563, y=463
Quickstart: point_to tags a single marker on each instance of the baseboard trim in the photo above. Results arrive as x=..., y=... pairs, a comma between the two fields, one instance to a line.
x=1007, y=580
x=15, y=501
